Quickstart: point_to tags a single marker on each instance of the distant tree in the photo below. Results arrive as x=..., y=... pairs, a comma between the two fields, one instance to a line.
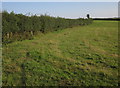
x=88, y=16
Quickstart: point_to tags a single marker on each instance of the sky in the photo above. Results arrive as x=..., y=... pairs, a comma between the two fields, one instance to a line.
x=59, y=0
x=64, y=9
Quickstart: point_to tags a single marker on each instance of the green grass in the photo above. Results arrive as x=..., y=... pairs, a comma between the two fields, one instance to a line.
x=79, y=56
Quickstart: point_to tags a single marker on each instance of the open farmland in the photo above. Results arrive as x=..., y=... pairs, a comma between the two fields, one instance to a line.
x=77, y=56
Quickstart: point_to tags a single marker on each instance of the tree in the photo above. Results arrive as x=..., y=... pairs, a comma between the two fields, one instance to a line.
x=88, y=16
x=13, y=20
x=36, y=23
x=5, y=23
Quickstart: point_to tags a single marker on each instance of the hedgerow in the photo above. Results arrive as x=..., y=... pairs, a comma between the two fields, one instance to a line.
x=20, y=27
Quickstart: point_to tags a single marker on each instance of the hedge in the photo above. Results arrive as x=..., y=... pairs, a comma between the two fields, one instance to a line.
x=20, y=27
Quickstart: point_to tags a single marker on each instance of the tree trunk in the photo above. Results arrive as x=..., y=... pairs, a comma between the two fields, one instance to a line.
x=31, y=32
x=8, y=35
x=11, y=34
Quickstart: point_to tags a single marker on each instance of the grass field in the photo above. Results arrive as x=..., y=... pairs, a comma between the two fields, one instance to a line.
x=79, y=56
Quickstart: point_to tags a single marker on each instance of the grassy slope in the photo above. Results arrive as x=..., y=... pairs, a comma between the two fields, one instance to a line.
x=84, y=55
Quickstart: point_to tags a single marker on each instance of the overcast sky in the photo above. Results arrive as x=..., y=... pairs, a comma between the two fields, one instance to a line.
x=64, y=9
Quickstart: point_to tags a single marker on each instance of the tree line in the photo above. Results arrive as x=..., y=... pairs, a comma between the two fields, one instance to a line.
x=21, y=27
x=109, y=19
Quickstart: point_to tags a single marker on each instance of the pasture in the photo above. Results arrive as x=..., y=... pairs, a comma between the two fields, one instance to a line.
x=77, y=56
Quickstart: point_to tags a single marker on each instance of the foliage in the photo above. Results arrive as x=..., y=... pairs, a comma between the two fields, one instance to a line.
x=19, y=26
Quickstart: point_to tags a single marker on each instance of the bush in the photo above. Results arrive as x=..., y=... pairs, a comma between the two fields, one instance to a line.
x=19, y=27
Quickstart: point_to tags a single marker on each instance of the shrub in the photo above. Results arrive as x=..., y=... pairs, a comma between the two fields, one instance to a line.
x=20, y=27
